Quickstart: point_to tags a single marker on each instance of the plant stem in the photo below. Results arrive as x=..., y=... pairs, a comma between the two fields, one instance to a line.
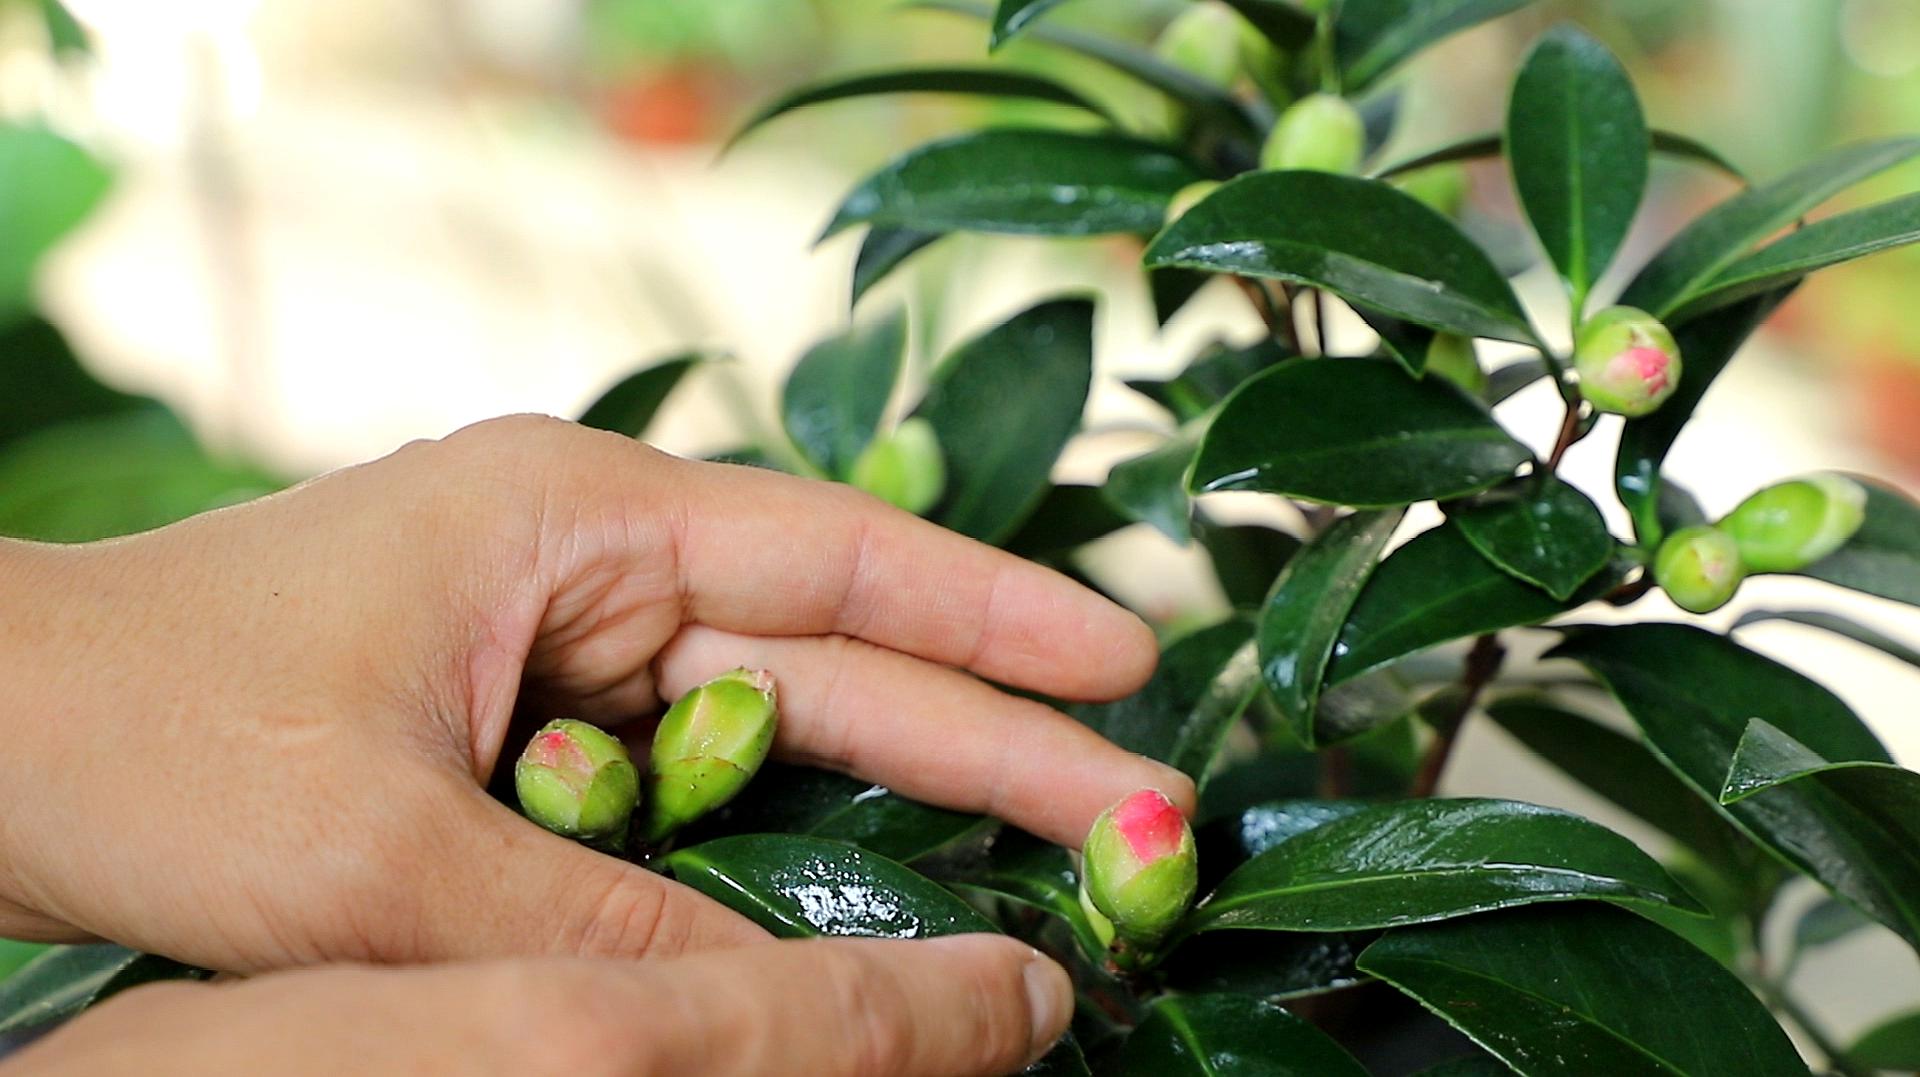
x=1320, y=321
x=1481, y=667
x=1569, y=433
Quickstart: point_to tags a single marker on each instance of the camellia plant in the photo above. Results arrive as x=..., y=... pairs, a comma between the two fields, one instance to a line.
x=1325, y=912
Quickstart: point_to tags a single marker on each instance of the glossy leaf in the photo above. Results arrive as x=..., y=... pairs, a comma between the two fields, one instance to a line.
x=1067, y=517
x=1031, y=182
x=1012, y=16
x=1693, y=693
x=1470, y=1066
x=797, y=887
x=1246, y=558
x=1152, y=488
x=986, y=81
x=1353, y=432
x=1829, y=242
x=1308, y=606
x=43, y=383
x=1284, y=22
x=1371, y=37
x=1210, y=379
x=1839, y=626
x=1420, y=860
x=1436, y=588
x=67, y=979
x=882, y=250
x=52, y=185
x=1214, y=1034
x=1172, y=289
x=801, y=800
x=1577, y=143
x=1572, y=991
x=1666, y=143
x=1259, y=828
x=838, y=392
x=1827, y=921
x=1708, y=344
x=1719, y=237
x=1362, y=239
x=1004, y=405
x=1037, y=874
x=1893, y=1044
x=1883, y=557
x=1503, y=383
x=629, y=407
x=1203, y=683
x=1542, y=531
x=1273, y=965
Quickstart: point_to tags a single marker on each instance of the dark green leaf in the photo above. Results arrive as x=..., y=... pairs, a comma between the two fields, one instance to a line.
x=1204, y=682
x=1405, y=341
x=1274, y=965
x=1471, y=1066
x=51, y=184
x=1693, y=694
x=1434, y=589
x=1840, y=238
x=881, y=252
x=1883, y=557
x=1839, y=626
x=1664, y=142
x=1719, y=237
x=42, y=382
x=1707, y=344
x=1371, y=37
x=1064, y=1060
x=67, y=979
x=801, y=800
x=1577, y=144
x=1210, y=379
x=1678, y=508
x=1422, y=860
x=988, y=81
x=1032, y=182
x=1303, y=615
x=1246, y=558
x=629, y=407
x=798, y=887
x=1216, y=1034
x=1828, y=921
x=1152, y=488
x=1257, y=829
x=1515, y=376
x=15, y=954
x=1353, y=432
x=1540, y=530
x=838, y=392
x=1038, y=874
x=1362, y=239
x=1067, y=517
x=1281, y=21
x=1352, y=709
x=1893, y=1044
x=1171, y=289
x=1004, y=405
x=1575, y=991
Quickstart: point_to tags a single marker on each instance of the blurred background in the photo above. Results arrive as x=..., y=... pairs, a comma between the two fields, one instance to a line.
x=312, y=230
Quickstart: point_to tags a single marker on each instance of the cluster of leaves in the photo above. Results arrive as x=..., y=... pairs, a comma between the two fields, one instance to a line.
x=1318, y=717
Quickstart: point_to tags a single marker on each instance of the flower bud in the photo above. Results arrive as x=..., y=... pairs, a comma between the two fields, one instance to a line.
x=1442, y=188
x=1790, y=525
x=1139, y=866
x=708, y=746
x=1452, y=357
x=578, y=781
x=1699, y=568
x=1318, y=133
x=904, y=468
x=1204, y=41
x=1628, y=362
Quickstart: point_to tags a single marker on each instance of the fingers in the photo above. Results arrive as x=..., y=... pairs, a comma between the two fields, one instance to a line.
x=969, y=1004
x=770, y=554
x=927, y=731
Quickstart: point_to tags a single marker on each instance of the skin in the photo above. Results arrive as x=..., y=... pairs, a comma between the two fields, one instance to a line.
x=283, y=715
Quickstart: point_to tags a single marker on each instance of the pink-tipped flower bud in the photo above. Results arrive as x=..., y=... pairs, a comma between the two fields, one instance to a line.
x=1628, y=362
x=1139, y=867
x=1790, y=525
x=709, y=745
x=578, y=781
x=1699, y=568
x=905, y=468
x=1322, y=132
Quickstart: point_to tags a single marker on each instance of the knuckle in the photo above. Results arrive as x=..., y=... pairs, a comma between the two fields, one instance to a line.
x=632, y=916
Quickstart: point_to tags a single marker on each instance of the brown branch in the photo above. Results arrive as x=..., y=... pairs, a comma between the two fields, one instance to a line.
x=1481, y=667
x=1569, y=433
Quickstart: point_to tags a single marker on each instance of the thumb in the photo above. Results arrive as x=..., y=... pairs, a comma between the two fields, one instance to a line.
x=966, y=1004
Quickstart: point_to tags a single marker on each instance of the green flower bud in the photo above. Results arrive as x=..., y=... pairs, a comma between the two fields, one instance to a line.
x=1139, y=867
x=1452, y=357
x=1628, y=362
x=1443, y=188
x=1790, y=525
x=1699, y=568
x=1188, y=197
x=1102, y=927
x=578, y=781
x=708, y=746
x=904, y=468
x=1318, y=133
x=1203, y=41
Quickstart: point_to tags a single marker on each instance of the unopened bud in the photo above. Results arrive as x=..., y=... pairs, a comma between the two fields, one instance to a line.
x=578, y=781
x=1203, y=41
x=1442, y=187
x=904, y=468
x=1699, y=568
x=1318, y=133
x=1790, y=525
x=1628, y=362
x=1452, y=357
x=1188, y=197
x=708, y=746
x=1139, y=866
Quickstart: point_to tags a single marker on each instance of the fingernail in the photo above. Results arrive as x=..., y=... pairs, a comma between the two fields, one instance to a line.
x=1049, y=999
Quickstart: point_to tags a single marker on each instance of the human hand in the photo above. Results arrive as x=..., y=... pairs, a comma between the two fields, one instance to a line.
x=969, y=1004
x=259, y=738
